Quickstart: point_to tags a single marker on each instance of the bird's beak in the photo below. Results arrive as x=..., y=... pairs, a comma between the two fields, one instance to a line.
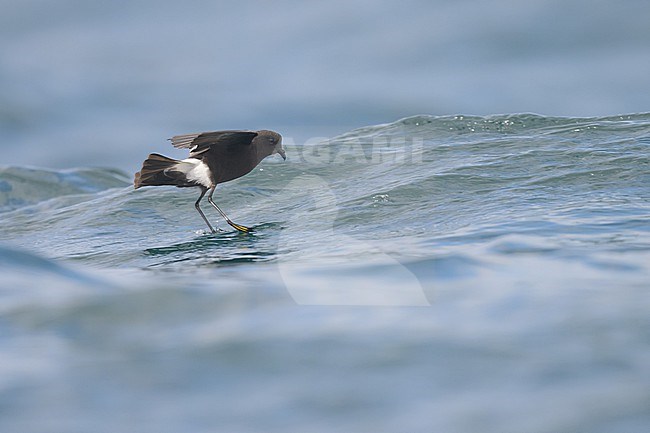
x=282, y=153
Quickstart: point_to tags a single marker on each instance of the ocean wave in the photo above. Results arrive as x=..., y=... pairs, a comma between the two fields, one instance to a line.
x=466, y=172
x=24, y=186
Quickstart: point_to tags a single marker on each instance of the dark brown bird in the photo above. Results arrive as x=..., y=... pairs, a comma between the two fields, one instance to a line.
x=215, y=157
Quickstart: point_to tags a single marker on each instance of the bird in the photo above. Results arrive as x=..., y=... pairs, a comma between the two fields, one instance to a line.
x=215, y=157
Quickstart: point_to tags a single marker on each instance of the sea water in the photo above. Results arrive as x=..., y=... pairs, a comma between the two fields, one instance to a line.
x=436, y=273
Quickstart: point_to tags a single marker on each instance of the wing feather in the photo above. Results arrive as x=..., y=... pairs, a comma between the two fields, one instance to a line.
x=200, y=142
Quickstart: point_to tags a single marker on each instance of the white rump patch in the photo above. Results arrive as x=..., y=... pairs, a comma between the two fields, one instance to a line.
x=195, y=170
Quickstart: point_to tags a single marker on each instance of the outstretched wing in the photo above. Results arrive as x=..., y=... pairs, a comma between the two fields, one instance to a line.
x=202, y=141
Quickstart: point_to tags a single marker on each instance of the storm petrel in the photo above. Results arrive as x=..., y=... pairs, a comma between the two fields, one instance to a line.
x=215, y=157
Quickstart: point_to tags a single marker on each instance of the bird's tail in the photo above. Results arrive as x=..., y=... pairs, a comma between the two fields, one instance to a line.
x=156, y=171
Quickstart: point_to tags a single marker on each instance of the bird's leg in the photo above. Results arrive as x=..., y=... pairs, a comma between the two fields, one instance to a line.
x=243, y=229
x=198, y=208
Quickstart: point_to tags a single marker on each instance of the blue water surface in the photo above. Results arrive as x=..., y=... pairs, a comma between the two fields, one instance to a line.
x=411, y=269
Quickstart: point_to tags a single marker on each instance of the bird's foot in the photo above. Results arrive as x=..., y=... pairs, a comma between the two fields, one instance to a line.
x=240, y=228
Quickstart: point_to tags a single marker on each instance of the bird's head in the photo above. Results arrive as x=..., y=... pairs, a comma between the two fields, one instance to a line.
x=272, y=139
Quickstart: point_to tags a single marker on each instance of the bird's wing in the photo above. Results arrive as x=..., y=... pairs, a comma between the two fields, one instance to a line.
x=202, y=141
